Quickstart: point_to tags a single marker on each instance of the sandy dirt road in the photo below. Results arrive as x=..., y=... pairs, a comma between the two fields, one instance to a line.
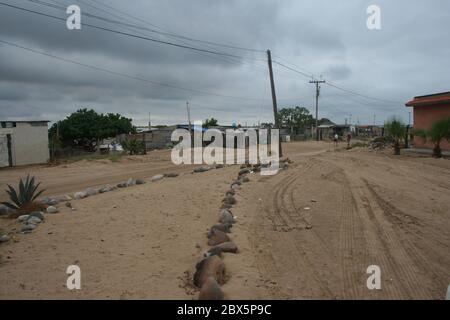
x=80, y=175
x=318, y=226
x=309, y=232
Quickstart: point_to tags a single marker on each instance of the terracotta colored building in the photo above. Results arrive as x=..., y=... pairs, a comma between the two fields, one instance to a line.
x=427, y=110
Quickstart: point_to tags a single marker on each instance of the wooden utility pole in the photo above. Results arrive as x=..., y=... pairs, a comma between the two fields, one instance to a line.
x=274, y=99
x=189, y=116
x=149, y=121
x=317, y=82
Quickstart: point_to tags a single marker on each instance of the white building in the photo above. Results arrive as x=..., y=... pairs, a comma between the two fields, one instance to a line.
x=23, y=143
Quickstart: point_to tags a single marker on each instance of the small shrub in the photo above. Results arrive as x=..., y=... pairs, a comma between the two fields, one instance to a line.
x=133, y=146
x=25, y=196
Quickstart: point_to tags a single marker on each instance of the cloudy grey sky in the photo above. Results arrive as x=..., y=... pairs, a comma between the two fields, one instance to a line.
x=409, y=56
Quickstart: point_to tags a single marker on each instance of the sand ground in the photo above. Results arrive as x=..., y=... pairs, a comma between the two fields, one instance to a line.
x=309, y=232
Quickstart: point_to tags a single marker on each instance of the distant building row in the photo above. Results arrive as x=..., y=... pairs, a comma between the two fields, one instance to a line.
x=26, y=142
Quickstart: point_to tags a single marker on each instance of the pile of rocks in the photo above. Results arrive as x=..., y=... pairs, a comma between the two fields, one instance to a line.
x=31, y=221
x=379, y=143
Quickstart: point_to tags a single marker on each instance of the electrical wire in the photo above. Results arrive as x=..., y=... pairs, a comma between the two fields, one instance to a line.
x=125, y=33
x=123, y=74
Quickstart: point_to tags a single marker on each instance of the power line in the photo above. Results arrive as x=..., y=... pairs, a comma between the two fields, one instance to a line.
x=181, y=36
x=123, y=74
x=331, y=84
x=361, y=95
x=196, y=49
x=309, y=73
x=294, y=70
x=126, y=33
x=133, y=28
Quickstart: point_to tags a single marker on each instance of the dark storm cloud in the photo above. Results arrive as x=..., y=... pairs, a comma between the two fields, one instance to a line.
x=408, y=57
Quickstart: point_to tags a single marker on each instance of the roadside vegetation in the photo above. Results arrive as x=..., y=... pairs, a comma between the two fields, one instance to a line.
x=22, y=199
x=396, y=130
x=133, y=146
x=436, y=134
x=84, y=129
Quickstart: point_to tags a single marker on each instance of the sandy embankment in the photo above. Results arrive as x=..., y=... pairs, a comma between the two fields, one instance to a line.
x=140, y=242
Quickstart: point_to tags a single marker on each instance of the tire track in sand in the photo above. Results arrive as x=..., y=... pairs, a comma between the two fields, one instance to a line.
x=385, y=248
x=295, y=250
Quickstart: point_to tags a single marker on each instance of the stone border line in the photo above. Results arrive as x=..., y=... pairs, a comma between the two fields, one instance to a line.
x=210, y=272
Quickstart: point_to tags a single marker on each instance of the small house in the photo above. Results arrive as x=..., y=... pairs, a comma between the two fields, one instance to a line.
x=23, y=143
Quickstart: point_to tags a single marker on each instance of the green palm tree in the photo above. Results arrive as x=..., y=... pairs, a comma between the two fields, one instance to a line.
x=396, y=130
x=439, y=130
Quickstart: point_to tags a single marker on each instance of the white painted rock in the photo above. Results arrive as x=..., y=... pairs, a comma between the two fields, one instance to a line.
x=53, y=202
x=235, y=187
x=201, y=169
x=80, y=195
x=28, y=227
x=157, y=177
x=4, y=238
x=172, y=175
x=23, y=218
x=37, y=214
x=46, y=200
x=131, y=182
x=106, y=189
x=91, y=192
x=64, y=198
x=34, y=220
x=52, y=209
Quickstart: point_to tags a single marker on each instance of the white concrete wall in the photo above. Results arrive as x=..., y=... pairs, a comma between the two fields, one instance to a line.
x=30, y=143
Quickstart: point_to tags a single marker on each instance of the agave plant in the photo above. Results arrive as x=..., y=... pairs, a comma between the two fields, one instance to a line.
x=438, y=132
x=26, y=194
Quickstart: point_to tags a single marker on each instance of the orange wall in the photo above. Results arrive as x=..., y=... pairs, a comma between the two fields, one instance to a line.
x=424, y=117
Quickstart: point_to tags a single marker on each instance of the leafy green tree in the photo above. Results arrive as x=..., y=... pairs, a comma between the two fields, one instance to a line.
x=439, y=130
x=86, y=127
x=210, y=123
x=396, y=130
x=296, y=119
